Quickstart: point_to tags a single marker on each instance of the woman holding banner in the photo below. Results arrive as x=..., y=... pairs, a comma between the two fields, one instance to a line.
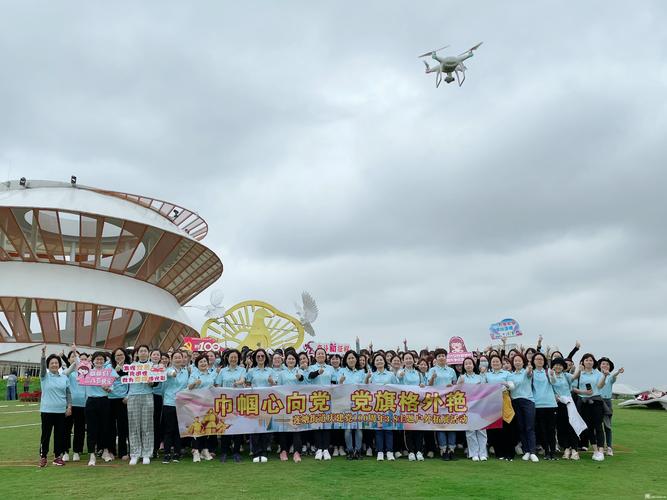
x=441, y=375
x=201, y=378
x=97, y=413
x=384, y=438
x=290, y=375
x=410, y=375
x=118, y=417
x=350, y=374
x=158, y=389
x=502, y=439
x=231, y=375
x=76, y=421
x=476, y=439
x=177, y=381
x=140, y=414
x=321, y=374
x=258, y=376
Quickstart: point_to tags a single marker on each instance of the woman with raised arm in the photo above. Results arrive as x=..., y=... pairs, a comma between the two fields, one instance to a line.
x=523, y=403
x=545, y=405
x=55, y=403
x=605, y=385
x=76, y=420
x=562, y=386
x=591, y=405
x=231, y=375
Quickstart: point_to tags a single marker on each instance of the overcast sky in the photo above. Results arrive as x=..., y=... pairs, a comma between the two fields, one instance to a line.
x=323, y=158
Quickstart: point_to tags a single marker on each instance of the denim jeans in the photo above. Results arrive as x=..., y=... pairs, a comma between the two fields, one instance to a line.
x=525, y=413
x=349, y=434
x=384, y=441
x=446, y=439
x=11, y=393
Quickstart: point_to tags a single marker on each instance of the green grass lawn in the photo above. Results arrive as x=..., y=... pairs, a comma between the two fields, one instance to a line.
x=637, y=468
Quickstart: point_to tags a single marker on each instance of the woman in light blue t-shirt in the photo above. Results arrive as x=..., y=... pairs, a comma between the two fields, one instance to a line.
x=586, y=383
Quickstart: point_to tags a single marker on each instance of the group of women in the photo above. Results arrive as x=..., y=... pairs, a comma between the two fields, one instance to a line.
x=137, y=422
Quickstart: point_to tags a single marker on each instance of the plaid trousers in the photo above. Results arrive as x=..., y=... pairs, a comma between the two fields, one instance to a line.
x=140, y=424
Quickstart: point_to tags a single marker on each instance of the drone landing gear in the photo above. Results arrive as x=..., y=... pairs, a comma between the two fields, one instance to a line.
x=449, y=78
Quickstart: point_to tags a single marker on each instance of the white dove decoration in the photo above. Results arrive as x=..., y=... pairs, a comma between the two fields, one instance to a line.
x=307, y=313
x=215, y=309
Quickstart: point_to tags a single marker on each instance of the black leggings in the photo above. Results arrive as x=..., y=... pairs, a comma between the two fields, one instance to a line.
x=504, y=439
x=76, y=421
x=592, y=411
x=118, y=427
x=566, y=435
x=52, y=422
x=260, y=442
x=293, y=438
x=231, y=443
x=97, y=422
x=414, y=441
x=157, y=418
x=322, y=439
x=545, y=428
x=172, y=437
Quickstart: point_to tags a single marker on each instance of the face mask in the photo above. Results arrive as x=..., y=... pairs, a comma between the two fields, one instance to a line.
x=483, y=363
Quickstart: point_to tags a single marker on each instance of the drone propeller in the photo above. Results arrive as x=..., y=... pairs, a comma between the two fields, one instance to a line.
x=471, y=49
x=427, y=54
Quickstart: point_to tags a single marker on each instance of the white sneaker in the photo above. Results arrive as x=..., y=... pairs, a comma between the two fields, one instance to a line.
x=304, y=449
x=492, y=450
x=65, y=457
x=335, y=452
x=133, y=461
x=341, y=451
x=105, y=455
x=518, y=450
x=256, y=460
x=325, y=455
x=420, y=457
x=598, y=456
x=369, y=452
x=575, y=455
x=533, y=458
x=206, y=455
x=318, y=455
x=483, y=459
x=92, y=460
x=75, y=457
x=380, y=456
x=263, y=459
x=567, y=453
x=196, y=457
x=526, y=456
x=146, y=461
x=610, y=453
x=390, y=455
x=398, y=454
x=475, y=459
x=430, y=454
x=411, y=457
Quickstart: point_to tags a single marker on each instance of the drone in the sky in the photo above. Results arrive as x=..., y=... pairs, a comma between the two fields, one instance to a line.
x=449, y=65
